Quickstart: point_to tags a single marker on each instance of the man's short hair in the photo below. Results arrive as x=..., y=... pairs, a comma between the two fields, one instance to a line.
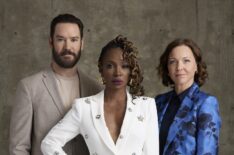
x=66, y=18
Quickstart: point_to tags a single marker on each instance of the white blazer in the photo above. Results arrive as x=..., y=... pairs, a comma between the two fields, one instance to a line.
x=138, y=136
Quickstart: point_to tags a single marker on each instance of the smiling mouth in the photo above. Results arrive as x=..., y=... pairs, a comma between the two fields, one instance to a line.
x=180, y=75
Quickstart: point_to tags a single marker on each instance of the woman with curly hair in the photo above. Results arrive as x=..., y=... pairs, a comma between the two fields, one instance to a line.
x=189, y=120
x=118, y=120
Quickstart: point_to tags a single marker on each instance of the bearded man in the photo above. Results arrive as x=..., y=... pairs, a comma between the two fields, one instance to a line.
x=43, y=98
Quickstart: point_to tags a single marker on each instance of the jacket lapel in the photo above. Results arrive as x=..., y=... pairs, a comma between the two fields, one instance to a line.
x=130, y=115
x=163, y=109
x=97, y=108
x=50, y=84
x=181, y=114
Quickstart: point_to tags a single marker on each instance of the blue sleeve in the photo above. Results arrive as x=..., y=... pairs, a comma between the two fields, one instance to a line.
x=209, y=124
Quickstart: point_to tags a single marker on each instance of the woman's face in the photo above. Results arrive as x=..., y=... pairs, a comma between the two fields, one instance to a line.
x=115, y=71
x=182, y=66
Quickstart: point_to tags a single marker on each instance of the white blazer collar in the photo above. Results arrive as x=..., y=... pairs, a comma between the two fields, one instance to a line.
x=97, y=108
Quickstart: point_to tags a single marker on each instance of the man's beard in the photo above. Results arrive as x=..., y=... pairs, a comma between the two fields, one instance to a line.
x=58, y=58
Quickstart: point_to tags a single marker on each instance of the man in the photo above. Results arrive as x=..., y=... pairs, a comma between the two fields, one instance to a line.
x=44, y=98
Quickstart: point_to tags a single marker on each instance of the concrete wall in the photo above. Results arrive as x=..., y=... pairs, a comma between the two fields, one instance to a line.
x=150, y=24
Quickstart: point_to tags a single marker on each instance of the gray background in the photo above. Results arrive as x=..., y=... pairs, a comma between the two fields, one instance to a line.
x=150, y=24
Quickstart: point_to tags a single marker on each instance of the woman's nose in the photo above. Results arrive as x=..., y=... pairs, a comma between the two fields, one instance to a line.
x=179, y=66
x=118, y=71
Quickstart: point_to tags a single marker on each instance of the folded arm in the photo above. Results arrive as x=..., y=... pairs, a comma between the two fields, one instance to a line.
x=61, y=133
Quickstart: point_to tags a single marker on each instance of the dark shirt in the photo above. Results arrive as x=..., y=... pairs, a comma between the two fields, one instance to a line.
x=169, y=116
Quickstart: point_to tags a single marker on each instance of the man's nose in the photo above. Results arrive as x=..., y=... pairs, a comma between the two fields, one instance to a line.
x=67, y=45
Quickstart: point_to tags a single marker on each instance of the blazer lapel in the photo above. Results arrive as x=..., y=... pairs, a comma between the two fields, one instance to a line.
x=164, y=108
x=97, y=108
x=130, y=115
x=50, y=84
x=181, y=114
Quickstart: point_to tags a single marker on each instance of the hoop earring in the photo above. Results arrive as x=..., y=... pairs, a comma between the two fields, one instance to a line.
x=130, y=82
x=103, y=81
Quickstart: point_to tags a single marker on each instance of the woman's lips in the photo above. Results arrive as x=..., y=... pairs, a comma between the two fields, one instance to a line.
x=180, y=75
x=117, y=82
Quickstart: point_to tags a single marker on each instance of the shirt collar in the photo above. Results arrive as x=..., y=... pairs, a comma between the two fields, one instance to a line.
x=182, y=95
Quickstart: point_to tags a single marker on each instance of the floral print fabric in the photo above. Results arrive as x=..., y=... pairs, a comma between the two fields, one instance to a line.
x=196, y=126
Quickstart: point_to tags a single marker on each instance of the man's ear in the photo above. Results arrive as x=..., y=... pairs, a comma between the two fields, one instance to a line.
x=82, y=44
x=50, y=42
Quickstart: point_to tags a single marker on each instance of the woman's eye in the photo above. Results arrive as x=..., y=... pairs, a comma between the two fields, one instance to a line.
x=108, y=66
x=125, y=66
x=171, y=62
x=186, y=60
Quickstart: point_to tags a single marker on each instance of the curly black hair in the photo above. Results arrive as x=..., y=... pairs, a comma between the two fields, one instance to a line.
x=130, y=55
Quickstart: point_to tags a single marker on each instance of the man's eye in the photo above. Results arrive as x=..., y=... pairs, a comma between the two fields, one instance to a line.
x=60, y=39
x=74, y=40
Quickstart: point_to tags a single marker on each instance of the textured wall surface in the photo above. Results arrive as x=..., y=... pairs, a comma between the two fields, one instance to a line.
x=150, y=24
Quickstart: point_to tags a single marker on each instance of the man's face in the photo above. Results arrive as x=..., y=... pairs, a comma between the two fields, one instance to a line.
x=66, y=45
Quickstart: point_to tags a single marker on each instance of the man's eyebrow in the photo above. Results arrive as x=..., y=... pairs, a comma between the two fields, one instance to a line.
x=73, y=37
x=77, y=37
x=58, y=36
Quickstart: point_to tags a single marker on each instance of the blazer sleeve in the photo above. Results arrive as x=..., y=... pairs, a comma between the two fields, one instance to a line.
x=151, y=146
x=209, y=124
x=61, y=133
x=21, y=122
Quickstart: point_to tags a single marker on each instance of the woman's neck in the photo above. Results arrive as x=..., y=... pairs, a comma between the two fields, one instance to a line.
x=115, y=95
x=181, y=88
